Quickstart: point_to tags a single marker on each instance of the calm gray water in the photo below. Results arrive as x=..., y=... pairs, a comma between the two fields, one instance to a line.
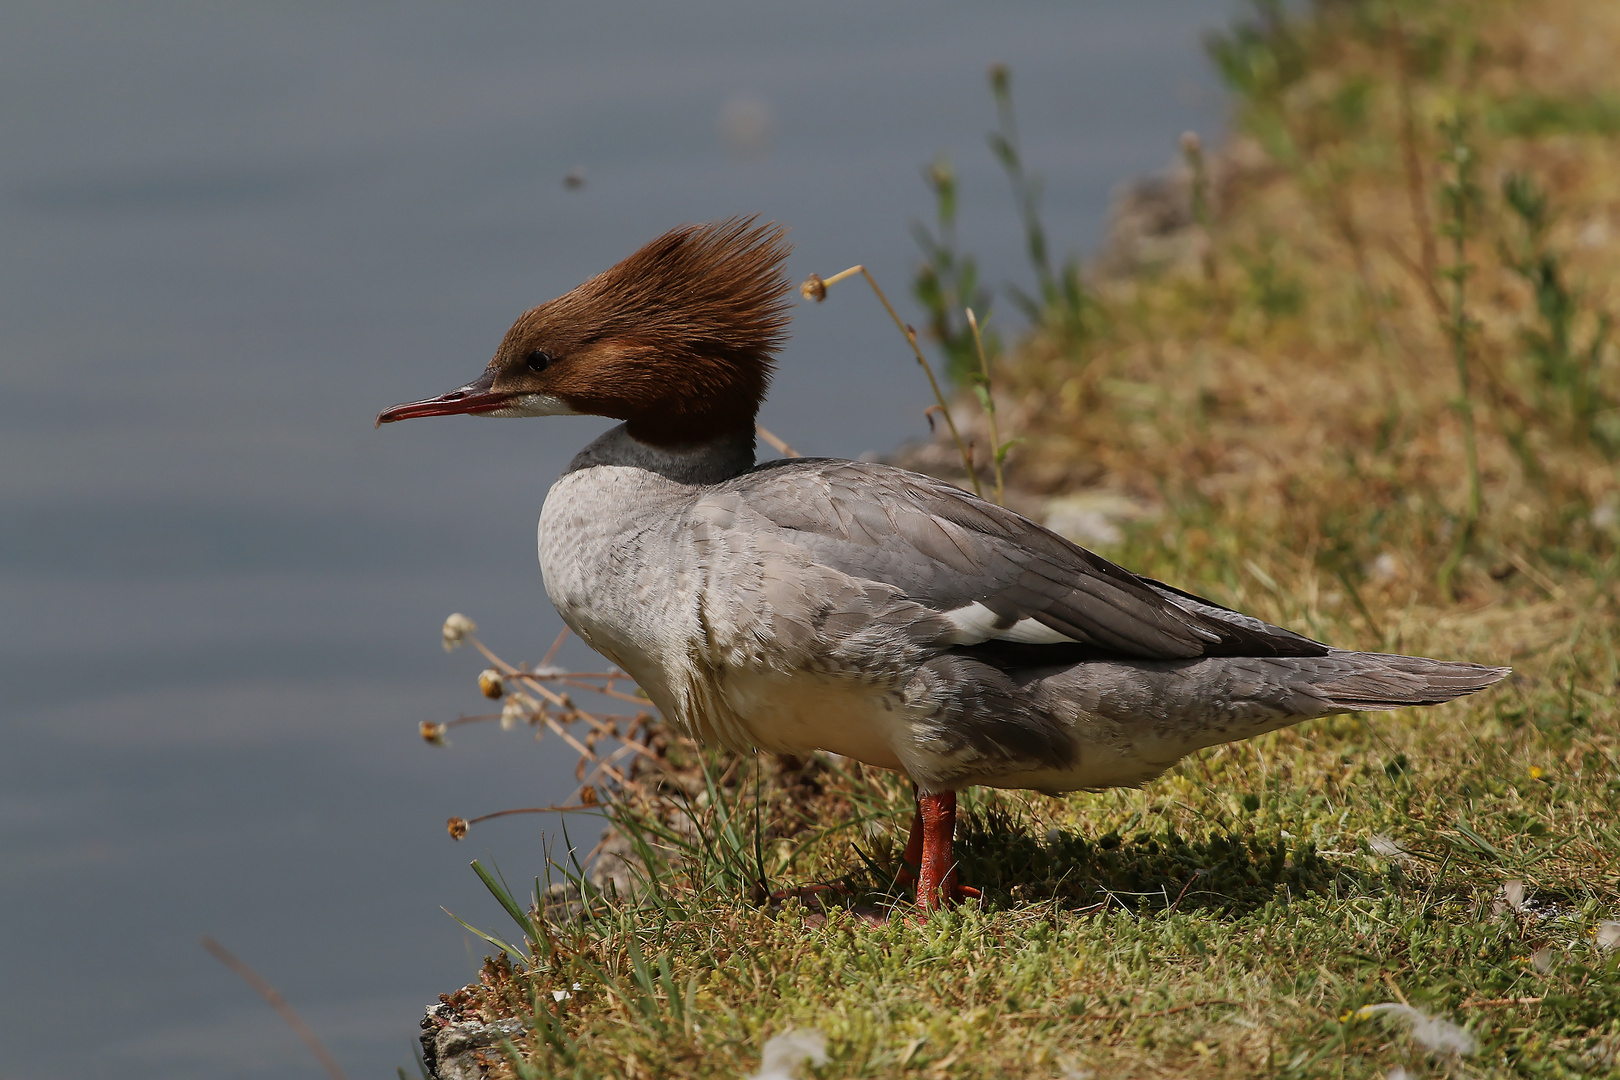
x=232, y=234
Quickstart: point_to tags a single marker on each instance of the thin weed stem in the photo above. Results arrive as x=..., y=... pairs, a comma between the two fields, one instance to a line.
x=777, y=444
x=262, y=987
x=1417, y=194
x=1461, y=197
x=998, y=452
x=815, y=288
x=1192, y=153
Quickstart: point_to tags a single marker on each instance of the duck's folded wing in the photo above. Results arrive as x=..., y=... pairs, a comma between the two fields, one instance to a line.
x=997, y=579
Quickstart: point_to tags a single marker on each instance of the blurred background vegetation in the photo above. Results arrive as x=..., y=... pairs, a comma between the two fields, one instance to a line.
x=1371, y=334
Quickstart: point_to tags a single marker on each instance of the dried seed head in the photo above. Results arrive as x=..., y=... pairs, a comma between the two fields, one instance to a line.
x=814, y=288
x=457, y=827
x=1191, y=145
x=433, y=733
x=519, y=709
x=490, y=683
x=587, y=795
x=456, y=628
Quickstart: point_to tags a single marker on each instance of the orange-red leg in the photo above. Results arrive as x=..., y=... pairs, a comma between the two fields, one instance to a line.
x=937, y=882
x=938, y=872
x=912, y=859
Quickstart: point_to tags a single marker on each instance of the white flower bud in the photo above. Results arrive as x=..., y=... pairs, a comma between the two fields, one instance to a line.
x=517, y=710
x=457, y=627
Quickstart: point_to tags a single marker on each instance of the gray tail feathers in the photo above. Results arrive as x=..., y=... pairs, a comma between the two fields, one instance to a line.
x=1366, y=681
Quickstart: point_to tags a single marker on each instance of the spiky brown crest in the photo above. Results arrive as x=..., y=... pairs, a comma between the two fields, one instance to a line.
x=679, y=339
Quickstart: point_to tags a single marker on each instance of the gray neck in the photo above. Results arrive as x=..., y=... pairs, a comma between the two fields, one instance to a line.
x=705, y=463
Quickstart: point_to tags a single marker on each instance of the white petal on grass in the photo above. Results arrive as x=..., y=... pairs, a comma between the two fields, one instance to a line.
x=1386, y=846
x=456, y=628
x=1436, y=1035
x=1608, y=935
x=784, y=1054
x=1510, y=898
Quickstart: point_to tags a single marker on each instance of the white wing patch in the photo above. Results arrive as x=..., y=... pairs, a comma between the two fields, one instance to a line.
x=977, y=623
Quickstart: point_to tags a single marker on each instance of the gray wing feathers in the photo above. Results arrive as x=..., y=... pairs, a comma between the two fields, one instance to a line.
x=773, y=604
x=1206, y=608
x=946, y=550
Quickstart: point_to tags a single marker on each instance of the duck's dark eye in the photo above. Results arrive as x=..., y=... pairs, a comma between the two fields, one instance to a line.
x=539, y=360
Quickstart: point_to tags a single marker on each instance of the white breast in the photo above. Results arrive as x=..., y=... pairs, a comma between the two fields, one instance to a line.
x=619, y=580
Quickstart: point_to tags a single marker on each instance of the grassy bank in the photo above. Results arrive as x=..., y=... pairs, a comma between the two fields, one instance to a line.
x=1357, y=379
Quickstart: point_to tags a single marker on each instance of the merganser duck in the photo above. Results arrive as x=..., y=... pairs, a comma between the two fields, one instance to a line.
x=823, y=604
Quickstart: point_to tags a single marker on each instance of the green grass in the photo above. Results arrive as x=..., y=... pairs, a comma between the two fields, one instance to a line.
x=1286, y=406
